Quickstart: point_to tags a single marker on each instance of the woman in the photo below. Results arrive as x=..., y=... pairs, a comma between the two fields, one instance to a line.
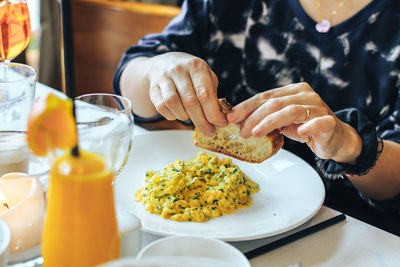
x=327, y=73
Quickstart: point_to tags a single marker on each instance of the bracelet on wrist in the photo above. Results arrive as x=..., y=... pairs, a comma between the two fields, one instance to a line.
x=372, y=146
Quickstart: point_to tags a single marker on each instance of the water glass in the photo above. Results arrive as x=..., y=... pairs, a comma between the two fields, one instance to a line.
x=14, y=152
x=17, y=93
x=105, y=126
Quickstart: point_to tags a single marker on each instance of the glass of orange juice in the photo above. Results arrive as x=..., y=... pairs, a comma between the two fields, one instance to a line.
x=80, y=227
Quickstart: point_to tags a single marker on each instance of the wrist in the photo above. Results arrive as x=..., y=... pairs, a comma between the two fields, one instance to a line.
x=351, y=146
x=371, y=147
x=147, y=64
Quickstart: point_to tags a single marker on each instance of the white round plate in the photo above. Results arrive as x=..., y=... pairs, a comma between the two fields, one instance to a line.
x=194, y=251
x=291, y=192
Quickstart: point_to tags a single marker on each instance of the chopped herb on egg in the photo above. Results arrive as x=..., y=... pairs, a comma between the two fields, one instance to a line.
x=191, y=190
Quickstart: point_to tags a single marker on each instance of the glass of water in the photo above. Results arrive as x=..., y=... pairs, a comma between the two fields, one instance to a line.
x=105, y=126
x=17, y=92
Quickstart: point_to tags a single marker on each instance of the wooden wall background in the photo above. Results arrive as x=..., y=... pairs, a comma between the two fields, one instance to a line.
x=103, y=30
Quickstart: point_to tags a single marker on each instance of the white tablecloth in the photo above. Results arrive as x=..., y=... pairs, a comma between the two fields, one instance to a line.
x=349, y=243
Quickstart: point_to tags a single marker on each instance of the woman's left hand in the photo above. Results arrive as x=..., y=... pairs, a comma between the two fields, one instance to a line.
x=301, y=115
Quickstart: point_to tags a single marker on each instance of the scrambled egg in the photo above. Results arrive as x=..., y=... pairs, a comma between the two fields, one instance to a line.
x=197, y=189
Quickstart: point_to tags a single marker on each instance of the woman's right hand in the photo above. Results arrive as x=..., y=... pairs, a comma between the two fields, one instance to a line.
x=184, y=87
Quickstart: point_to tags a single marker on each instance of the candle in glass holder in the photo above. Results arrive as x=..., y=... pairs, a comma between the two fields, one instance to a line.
x=5, y=237
x=14, y=153
x=22, y=208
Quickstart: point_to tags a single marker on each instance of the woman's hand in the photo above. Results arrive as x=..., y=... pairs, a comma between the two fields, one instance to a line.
x=183, y=86
x=301, y=115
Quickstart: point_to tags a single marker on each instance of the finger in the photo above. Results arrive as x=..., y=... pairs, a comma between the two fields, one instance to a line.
x=244, y=109
x=292, y=114
x=172, y=99
x=290, y=131
x=214, y=80
x=192, y=105
x=207, y=96
x=159, y=104
x=272, y=106
x=318, y=126
x=321, y=130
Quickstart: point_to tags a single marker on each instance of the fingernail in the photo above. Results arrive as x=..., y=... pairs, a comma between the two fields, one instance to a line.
x=244, y=134
x=210, y=132
x=300, y=130
x=256, y=131
x=231, y=116
x=222, y=124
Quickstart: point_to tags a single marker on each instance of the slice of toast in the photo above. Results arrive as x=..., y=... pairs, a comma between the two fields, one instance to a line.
x=227, y=141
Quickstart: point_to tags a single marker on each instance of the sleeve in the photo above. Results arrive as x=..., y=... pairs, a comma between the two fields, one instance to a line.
x=184, y=33
x=389, y=128
x=389, y=206
x=371, y=148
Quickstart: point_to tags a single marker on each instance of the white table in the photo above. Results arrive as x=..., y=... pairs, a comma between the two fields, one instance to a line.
x=349, y=243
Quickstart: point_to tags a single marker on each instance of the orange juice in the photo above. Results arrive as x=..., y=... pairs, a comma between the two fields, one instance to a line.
x=80, y=227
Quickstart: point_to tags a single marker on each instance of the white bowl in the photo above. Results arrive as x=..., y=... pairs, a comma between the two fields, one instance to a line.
x=5, y=237
x=194, y=251
x=160, y=261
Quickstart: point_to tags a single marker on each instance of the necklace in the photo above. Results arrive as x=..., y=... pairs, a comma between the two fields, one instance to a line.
x=325, y=23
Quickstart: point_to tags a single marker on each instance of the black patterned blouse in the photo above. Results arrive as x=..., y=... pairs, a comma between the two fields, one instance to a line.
x=256, y=45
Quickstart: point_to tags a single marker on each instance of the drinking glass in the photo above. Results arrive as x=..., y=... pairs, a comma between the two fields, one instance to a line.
x=14, y=152
x=81, y=226
x=105, y=126
x=15, y=156
x=15, y=30
x=17, y=92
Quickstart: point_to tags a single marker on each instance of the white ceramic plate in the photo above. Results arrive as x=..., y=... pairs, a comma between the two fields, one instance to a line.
x=194, y=251
x=291, y=192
